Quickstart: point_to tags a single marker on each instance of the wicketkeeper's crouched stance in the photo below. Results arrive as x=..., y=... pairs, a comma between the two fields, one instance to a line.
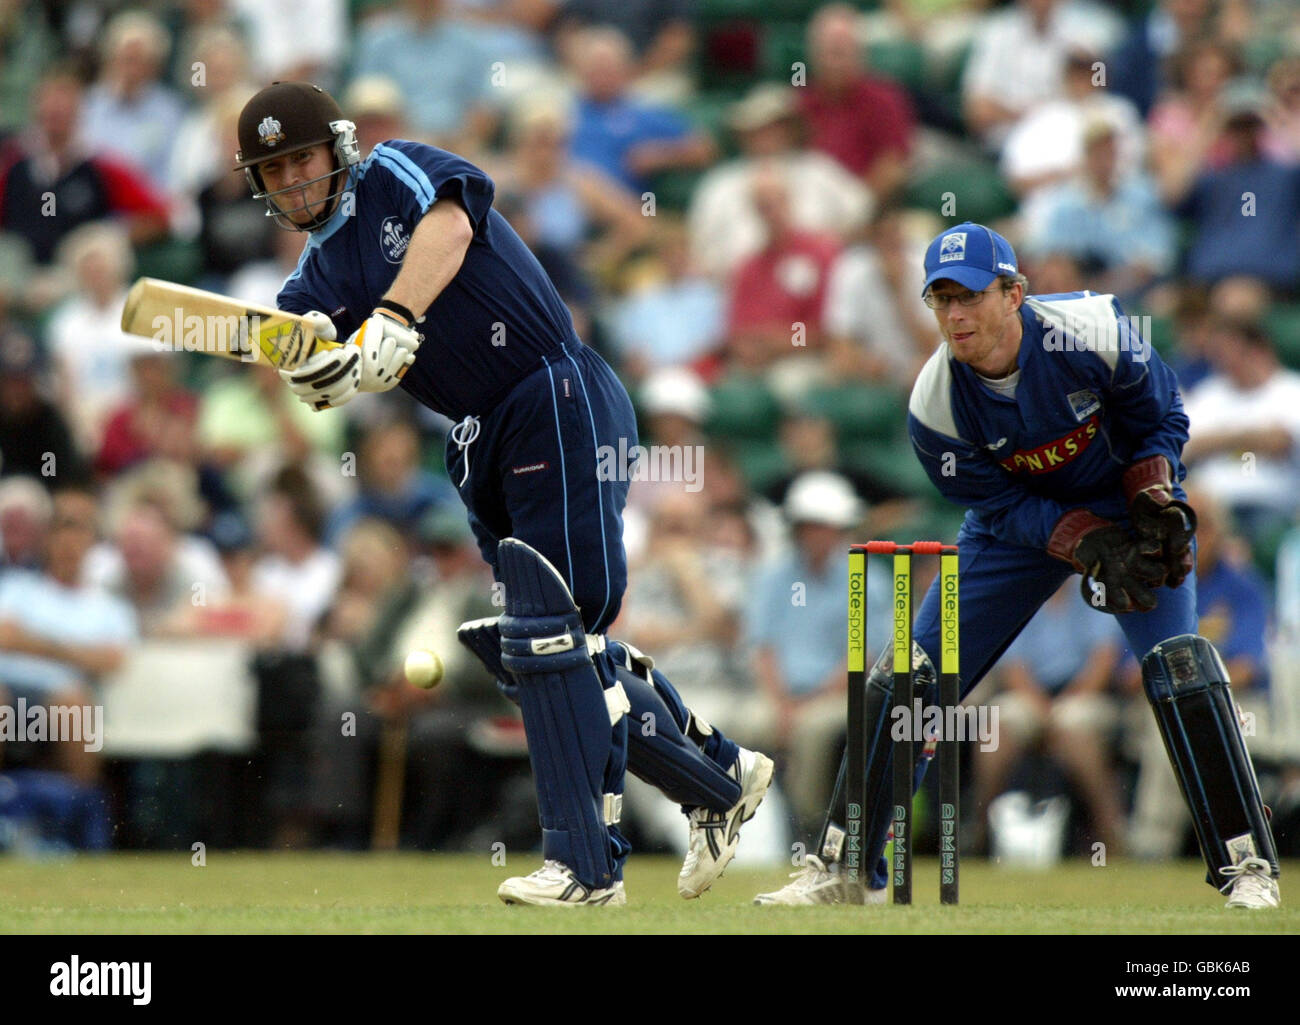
x=436, y=293
x=1061, y=430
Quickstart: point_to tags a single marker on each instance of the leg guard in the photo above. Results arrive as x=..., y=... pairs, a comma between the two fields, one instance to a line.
x=577, y=731
x=1187, y=685
x=668, y=747
x=666, y=742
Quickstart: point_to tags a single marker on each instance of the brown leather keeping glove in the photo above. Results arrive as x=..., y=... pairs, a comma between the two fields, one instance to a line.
x=1120, y=572
x=1159, y=518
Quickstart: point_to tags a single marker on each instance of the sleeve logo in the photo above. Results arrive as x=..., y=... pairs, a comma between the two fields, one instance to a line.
x=393, y=239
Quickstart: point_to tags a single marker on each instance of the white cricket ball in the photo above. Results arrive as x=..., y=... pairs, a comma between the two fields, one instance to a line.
x=423, y=668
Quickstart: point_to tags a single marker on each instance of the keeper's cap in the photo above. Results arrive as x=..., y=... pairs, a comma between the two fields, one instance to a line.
x=969, y=254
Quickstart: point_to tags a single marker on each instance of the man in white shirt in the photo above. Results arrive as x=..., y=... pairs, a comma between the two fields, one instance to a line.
x=1244, y=445
x=724, y=226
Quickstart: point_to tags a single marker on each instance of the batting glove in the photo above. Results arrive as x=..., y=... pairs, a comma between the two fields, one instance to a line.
x=388, y=342
x=330, y=377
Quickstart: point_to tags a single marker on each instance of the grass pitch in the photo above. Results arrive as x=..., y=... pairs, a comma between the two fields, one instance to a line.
x=417, y=893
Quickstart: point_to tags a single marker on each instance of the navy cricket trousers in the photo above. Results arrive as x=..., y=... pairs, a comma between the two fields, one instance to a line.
x=544, y=468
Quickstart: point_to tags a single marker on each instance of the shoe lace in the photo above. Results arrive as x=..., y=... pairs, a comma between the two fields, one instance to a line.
x=811, y=875
x=551, y=871
x=1252, y=872
x=701, y=820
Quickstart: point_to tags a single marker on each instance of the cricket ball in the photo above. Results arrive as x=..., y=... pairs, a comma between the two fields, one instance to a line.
x=423, y=668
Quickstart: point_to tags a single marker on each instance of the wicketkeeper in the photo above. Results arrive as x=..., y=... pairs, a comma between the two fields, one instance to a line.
x=1057, y=425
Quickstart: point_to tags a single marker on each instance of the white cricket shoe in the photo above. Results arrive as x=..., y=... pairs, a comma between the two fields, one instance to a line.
x=815, y=883
x=555, y=884
x=715, y=835
x=1253, y=885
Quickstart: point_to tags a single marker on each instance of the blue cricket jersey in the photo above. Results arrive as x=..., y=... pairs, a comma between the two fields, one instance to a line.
x=491, y=326
x=1093, y=397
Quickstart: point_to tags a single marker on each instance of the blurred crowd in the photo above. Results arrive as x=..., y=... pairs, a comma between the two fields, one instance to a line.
x=733, y=197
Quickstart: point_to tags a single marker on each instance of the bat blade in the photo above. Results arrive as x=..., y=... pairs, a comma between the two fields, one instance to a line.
x=179, y=318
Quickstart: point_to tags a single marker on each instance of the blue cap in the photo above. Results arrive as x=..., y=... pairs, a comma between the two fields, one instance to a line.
x=969, y=254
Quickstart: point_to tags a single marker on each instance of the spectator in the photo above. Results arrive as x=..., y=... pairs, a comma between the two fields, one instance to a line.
x=878, y=329
x=661, y=32
x=394, y=489
x=463, y=743
x=378, y=109
x=673, y=404
x=233, y=229
x=1109, y=219
x=1282, y=113
x=129, y=112
x=1232, y=608
x=294, y=566
x=1017, y=60
x=35, y=439
x=439, y=68
x=511, y=30
x=1057, y=678
x=162, y=578
x=1046, y=147
x=1245, y=214
x=58, y=636
x=809, y=444
x=1187, y=124
x=248, y=405
x=156, y=420
x=576, y=219
x=295, y=40
x=1192, y=322
x=203, y=140
x=725, y=227
x=794, y=628
x=778, y=294
x=683, y=604
x=675, y=315
x=27, y=45
x=296, y=571
x=91, y=353
x=25, y=513
x=1245, y=430
x=1141, y=64
x=862, y=120
x=51, y=168
x=628, y=139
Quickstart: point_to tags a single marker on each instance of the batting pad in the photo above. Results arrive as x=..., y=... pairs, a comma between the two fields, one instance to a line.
x=659, y=752
x=578, y=758
x=1187, y=685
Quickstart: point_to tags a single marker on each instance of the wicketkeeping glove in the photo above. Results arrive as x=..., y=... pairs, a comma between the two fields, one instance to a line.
x=1126, y=570
x=1160, y=518
x=329, y=378
x=388, y=341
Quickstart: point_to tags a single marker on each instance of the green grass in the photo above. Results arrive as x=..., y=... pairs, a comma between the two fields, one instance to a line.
x=412, y=893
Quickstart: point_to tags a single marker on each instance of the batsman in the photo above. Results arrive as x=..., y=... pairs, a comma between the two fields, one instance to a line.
x=435, y=293
x=1058, y=427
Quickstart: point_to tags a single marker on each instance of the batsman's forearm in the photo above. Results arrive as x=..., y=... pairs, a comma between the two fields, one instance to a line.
x=437, y=249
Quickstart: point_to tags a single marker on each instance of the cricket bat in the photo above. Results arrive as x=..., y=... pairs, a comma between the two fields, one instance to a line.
x=183, y=319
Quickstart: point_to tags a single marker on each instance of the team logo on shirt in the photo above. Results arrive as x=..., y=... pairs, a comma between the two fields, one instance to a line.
x=393, y=239
x=953, y=247
x=269, y=131
x=1053, y=455
x=1084, y=403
